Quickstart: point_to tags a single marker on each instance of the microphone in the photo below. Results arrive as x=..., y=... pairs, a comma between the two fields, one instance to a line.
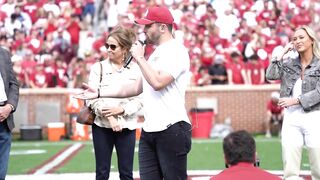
x=130, y=57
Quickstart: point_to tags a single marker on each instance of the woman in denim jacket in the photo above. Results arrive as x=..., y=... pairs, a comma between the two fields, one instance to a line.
x=300, y=95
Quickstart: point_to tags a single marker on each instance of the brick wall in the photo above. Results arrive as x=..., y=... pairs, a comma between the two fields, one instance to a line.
x=245, y=105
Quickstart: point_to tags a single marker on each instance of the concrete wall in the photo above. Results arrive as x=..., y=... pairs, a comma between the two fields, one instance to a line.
x=244, y=105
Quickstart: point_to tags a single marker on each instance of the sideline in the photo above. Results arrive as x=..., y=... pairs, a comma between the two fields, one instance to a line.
x=193, y=175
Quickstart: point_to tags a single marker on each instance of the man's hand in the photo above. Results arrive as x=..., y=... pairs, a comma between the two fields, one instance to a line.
x=4, y=112
x=87, y=93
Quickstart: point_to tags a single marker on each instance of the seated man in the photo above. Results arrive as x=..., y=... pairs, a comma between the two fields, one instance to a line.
x=239, y=152
x=274, y=114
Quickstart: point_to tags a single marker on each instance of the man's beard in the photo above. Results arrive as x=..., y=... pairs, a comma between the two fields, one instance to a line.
x=153, y=39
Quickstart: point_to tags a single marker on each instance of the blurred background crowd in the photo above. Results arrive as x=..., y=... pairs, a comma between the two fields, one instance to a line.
x=54, y=42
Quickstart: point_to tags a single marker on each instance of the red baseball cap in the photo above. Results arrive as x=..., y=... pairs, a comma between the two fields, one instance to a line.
x=156, y=14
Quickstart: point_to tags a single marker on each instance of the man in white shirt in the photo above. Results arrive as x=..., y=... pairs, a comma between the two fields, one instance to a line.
x=166, y=135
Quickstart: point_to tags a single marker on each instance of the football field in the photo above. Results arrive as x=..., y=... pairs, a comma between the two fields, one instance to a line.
x=75, y=159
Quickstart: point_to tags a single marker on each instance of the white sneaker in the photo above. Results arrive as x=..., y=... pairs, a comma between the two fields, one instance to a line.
x=268, y=135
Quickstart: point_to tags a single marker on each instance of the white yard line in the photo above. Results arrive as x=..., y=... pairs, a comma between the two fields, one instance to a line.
x=59, y=159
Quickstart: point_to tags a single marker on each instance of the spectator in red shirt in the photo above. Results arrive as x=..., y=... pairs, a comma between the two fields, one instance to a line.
x=274, y=113
x=80, y=74
x=266, y=13
x=74, y=27
x=31, y=8
x=236, y=70
x=61, y=73
x=243, y=6
x=18, y=71
x=207, y=53
x=240, y=156
x=234, y=44
x=99, y=42
x=195, y=65
x=272, y=41
x=301, y=18
x=202, y=78
x=3, y=16
x=34, y=40
x=255, y=70
x=244, y=31
x=209, y=16
x=18, y=39
x=38, y=78
x=28, y=62
x=50, y=70
x=51, y=25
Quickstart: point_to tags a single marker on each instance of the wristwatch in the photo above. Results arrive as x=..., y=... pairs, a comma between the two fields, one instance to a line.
x=12, y=107
x=298, y=100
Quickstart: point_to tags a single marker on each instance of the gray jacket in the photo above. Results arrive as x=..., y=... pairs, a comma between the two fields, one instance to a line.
x=10, y=82
x=288, y=71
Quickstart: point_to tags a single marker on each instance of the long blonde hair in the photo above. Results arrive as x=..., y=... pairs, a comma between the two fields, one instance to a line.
x=313, y=37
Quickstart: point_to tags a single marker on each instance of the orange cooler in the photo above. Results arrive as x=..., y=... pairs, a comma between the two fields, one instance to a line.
x=56, y=130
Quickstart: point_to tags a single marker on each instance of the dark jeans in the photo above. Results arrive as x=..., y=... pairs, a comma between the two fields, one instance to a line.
x=104, y=139
x=163, y=155
x=5, y=144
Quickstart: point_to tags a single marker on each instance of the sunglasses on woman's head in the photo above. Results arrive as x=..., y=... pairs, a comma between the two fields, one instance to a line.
x=112, y=46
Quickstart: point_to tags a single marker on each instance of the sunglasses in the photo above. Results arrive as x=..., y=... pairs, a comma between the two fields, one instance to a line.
x=111, y=46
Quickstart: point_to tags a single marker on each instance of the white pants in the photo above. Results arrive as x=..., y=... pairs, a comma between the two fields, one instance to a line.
x=300, y=129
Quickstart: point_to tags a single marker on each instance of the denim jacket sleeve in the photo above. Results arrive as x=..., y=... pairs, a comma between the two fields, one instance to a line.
x=274, y=71
x=310, y=98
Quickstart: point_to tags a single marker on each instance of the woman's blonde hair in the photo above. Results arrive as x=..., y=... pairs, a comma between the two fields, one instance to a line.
x=313, y=37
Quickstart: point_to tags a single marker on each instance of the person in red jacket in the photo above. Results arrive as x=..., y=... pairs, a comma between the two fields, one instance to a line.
x=274, y=113
x=239, y=149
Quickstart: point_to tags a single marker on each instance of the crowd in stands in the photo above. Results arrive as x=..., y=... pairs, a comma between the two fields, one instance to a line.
x=54, y=42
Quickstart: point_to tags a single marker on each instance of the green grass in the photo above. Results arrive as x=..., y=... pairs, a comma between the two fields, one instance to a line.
x=204, y=155
x=87, y=155
x=82, y=162
x=21, y=164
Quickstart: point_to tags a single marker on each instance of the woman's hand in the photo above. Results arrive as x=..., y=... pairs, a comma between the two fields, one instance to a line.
x=112, y=111
x=287, y=102
x=286, y=49
x=87, y=93
x=115, y=125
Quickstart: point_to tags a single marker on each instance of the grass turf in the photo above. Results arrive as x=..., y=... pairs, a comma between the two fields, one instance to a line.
x=205, y=155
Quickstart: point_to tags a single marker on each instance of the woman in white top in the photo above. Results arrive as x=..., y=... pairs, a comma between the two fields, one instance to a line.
x=116, y=118
x=300, y=95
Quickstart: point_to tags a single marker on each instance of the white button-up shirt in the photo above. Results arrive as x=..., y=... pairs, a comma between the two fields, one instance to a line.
x=3, y=96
